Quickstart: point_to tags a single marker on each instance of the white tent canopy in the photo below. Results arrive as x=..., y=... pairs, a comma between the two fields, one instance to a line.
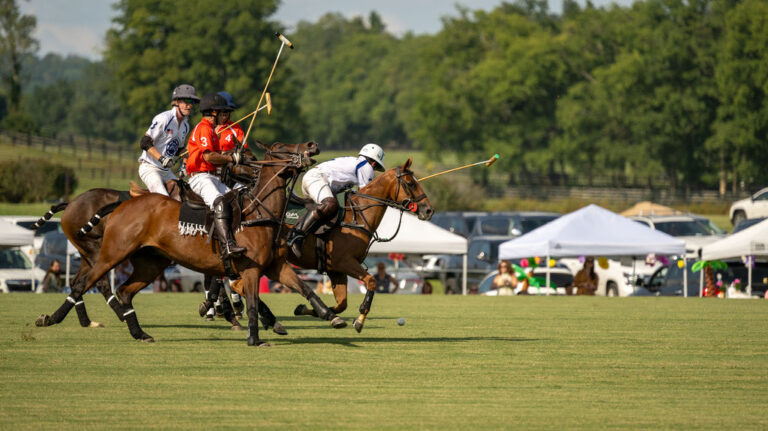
x=752, y=241
x=591, y=231
x=13, y=235
x=416, y=236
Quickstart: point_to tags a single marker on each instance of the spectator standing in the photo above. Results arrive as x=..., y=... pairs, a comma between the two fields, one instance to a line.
x=383, y=279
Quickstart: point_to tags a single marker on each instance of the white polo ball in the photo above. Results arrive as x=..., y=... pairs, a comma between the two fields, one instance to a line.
x=401, y=321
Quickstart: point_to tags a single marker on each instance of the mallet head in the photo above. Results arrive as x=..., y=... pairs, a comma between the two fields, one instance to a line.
x=492, y=160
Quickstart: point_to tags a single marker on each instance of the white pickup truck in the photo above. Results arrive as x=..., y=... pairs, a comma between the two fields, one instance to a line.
x=755, y=206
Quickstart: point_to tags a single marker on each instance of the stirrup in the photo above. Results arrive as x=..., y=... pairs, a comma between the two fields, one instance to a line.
x=231, y=249
x=293, y=236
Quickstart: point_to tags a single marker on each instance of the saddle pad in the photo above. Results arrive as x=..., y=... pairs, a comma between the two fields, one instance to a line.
x=295, y=212
x=192, y=220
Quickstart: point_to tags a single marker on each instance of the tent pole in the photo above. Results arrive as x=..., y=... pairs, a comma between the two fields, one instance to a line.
x=547, y=286
x=685, y=276
x=464, y=274
x=67, y=272
x=701, y=283
x=749, y=279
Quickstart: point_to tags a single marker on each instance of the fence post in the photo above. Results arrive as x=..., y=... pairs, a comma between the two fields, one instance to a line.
x=104, y=150
x=72, y=143
x=29, y=140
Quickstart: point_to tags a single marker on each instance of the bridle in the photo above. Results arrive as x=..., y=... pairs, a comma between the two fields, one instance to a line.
x=410, y=204
x=293, y=159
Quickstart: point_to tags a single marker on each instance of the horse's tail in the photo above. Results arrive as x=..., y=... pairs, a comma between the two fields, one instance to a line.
x=54, y=209
x=101, y=213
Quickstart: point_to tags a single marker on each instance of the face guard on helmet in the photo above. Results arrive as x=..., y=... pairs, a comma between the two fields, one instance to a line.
x=375, y=153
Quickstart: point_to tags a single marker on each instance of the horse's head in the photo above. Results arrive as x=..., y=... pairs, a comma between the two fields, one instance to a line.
x=295, y=156
x=409, y=193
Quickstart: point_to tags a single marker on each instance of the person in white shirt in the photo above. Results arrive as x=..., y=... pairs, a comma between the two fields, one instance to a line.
x=165, y=139
x=322, y=182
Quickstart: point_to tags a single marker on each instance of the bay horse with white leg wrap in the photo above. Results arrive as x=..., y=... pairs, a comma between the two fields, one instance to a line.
x=347, y=244
x=145, y=229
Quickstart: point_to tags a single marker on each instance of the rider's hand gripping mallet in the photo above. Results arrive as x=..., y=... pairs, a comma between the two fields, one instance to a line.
x=487, y=163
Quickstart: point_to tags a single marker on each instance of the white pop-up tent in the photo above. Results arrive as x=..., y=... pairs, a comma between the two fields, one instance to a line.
x=418, y=237
x=14, y=235
x=752, y=241
x=591, y=231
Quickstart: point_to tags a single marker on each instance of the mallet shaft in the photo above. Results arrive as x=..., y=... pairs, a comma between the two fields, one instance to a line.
x=488, y=162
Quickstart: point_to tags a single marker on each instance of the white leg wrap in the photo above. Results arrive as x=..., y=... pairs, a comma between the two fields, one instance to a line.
x=131, y=311
x=71, y=299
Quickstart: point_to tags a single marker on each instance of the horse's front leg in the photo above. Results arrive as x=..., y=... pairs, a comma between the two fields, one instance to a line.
x=354, y=269
x=251, y=293
x=283, y=272
x=146, y=268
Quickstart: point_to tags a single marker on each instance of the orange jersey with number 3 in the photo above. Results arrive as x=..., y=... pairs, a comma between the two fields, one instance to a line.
x=203, y=139
x=226, y=140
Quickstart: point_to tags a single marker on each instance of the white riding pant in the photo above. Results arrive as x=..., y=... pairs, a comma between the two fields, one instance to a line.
x=154, y=178
x=208, y=186
x=316, y=186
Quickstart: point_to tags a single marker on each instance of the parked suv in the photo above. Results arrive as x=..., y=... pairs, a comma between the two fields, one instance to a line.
x=55, y=248
x=458, y=222
x=695, y=230
x=16, y=271
x=27, y=222
x=511, y=223
x=752, y=207
x=482, y=257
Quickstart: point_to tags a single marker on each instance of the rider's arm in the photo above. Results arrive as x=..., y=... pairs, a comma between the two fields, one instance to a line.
x=154, y=133
x=152, y=151
x=215, y=158
x=364, y=174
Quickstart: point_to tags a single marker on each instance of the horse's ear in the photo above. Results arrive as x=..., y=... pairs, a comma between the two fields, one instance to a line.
x=407, y=163
x=261, y=145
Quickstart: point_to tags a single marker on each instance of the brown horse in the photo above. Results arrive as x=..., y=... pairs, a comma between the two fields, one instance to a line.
x=145, y=229
x=83, y=222
x=347, y=244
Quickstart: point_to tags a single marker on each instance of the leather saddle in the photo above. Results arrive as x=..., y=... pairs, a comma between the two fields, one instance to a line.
x=299, y=207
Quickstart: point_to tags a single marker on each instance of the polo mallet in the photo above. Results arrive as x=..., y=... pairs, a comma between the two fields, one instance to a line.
x=487, y=163
x=283, y=42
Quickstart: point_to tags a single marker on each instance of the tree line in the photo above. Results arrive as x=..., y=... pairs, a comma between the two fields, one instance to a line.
x=664, y=93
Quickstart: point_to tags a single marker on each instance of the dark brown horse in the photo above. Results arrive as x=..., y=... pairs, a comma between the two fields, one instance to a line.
x=145, y=229
x=347, y=244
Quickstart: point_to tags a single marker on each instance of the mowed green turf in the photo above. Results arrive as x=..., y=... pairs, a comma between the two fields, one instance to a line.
x=458, y=363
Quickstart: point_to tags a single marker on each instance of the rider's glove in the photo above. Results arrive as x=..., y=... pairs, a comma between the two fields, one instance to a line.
x=166, y=162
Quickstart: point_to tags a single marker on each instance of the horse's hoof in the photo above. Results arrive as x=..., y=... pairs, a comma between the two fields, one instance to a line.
x=253, y=341
x=146, y=338
x=358, y=324
x=279, y=329
x=338, y=323
x=299, y=311
x=202, y=309
x=96, y=325
x=42, y=320
x=209, y=318
x=237, y=327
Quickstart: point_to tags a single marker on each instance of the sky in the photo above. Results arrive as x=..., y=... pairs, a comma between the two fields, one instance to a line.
x=78, y=26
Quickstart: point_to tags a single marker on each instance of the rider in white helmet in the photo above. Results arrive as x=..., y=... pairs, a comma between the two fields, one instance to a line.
x=322, y=182
x=165, y=139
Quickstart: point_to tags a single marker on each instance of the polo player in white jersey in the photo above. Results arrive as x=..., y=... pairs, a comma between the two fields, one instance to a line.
x=322, y=182
x=165, y=139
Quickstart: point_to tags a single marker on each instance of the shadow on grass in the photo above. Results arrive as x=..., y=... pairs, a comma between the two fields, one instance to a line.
x=352, y=342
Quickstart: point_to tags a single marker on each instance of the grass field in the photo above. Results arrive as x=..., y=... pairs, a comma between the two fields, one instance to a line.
x=458, y=363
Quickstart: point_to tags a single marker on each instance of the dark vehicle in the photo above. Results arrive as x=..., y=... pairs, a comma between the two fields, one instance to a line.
x=511, y=223
x=55, y=248
x=668, y=280
x=745, y=223
x=458, y=222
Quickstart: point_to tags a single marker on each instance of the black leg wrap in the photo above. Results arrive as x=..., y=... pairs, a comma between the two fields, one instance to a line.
x=226, y=306
x=61, y=313
x=322, y=311
x=133, y=323
x=82, y=315
x=114, y=303
x=265, y=315
x=253, y=327
x=365, y=307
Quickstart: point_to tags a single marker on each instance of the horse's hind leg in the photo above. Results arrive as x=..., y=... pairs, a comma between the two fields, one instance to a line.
x=223, y=305
x=251, y=293
x=280, y=270
x=146, y=267
x=74, y=299
x=339, y=283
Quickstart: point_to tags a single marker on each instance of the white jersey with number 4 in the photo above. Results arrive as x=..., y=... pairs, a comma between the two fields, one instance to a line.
x=346, y=171
x=169, y=137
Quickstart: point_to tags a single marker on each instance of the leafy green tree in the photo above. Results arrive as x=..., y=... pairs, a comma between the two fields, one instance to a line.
x=156, y=45
x=15, y=41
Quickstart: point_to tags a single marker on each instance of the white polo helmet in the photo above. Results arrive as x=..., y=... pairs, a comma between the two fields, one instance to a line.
x=375, y=153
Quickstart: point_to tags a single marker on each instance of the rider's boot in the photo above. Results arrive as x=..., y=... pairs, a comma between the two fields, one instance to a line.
x=223, y=220
x=299, y=232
